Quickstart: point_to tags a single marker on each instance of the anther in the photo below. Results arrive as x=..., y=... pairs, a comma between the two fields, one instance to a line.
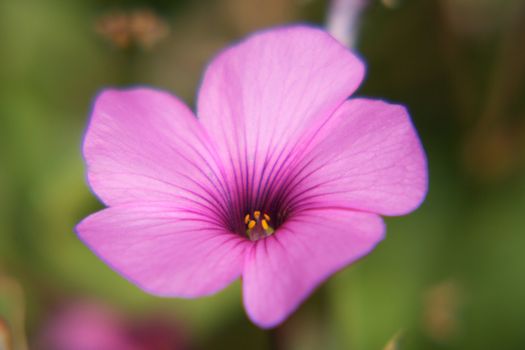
x=257, y=225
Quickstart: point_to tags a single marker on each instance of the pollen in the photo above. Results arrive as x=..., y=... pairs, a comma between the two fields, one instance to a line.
x=257, y=225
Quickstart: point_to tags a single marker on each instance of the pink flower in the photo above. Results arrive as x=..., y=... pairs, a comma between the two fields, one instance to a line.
x=84, y=326
x=90, y=325
x=280, y=180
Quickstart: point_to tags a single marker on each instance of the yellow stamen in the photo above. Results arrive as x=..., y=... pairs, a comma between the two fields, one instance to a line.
x=251, y=224
x=264, y=225
x=247, y=218
x=256, y=214
x=267, y=217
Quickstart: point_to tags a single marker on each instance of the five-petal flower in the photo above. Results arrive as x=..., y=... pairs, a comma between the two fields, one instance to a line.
x=280, y=180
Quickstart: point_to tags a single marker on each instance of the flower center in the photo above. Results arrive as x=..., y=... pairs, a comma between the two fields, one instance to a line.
x=258, y=226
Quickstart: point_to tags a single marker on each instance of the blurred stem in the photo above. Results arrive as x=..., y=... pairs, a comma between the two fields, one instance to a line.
x=505, y=76
x=508, y=69
x=324, y=314
x=463, y=86
x=12, y=306
x=343, y=20
x=274, y=339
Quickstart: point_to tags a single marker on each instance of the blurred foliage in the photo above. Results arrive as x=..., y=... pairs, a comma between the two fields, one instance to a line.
x=449, y=276
x=12, y=314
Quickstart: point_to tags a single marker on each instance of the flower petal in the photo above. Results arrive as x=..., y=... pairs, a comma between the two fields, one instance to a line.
x=144, y=144
x=165, y=250
x=258, y=98
x=283, y=269
x=370, y=158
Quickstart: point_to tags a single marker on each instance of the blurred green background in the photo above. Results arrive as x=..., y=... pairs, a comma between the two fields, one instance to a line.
x=449, y=276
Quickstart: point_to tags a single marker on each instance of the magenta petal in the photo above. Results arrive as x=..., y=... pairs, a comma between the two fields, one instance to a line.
x=144, y=144
x=370, y=159
x=259, y=97
x=282, y=270
x=164, y=250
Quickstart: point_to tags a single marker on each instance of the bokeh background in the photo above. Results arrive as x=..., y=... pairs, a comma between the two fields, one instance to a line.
x=449, y=276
